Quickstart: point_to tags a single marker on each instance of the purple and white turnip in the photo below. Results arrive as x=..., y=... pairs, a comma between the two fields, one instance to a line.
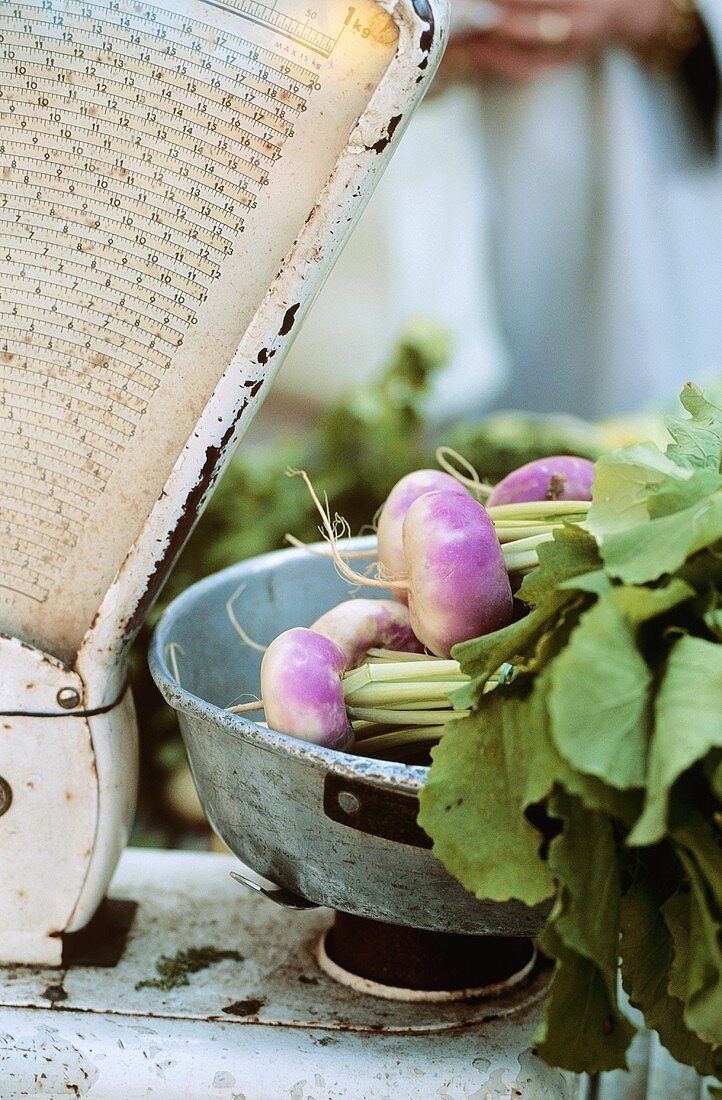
x=458, y=584
x=389, y=530
x=301, y=688
x=561, y=477
x=302, y=669
x=356, y=626
x=380, y=670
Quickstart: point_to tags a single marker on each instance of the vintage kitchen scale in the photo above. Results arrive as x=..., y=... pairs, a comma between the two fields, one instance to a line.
x=176, y=181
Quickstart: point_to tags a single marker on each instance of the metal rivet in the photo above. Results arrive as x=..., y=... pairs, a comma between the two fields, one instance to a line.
x=348, y=802
x=6, y=796
x=68, y=698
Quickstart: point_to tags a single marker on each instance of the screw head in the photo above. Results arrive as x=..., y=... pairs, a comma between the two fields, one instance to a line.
x=68, y=698
x=348, y=802
x=6, y=796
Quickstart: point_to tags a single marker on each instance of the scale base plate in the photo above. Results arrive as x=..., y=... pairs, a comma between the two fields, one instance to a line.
x=270, y=1025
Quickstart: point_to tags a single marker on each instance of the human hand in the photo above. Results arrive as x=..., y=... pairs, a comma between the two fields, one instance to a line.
x=530, y=37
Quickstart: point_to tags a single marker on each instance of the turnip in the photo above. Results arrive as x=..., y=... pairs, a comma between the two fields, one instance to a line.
x=561, y=477
x=522, y=526
x=458, y=584
x=443, y=554
x=302, y=669
x=392, y=561
x=359, y=625
x=302, y=689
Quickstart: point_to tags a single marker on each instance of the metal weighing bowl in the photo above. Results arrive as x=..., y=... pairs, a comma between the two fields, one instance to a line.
x=338, y=829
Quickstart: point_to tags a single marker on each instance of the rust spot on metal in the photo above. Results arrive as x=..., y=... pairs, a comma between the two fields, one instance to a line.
x=380, y=145
x=289, y=319
x=378, y=812
x=254, y=384
x=424, y=12
x=6, y=796
x=54, y=993
x=178, y=535
x=251, y=1007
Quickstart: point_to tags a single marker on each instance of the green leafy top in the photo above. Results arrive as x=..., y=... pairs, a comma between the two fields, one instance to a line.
x=595, y=777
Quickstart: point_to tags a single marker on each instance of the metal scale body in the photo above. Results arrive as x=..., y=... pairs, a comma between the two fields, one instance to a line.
x=176, y=181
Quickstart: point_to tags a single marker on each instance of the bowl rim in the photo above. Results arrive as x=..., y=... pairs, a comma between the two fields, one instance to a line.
x=393, y=775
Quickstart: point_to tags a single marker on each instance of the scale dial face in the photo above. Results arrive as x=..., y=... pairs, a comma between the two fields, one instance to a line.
x=157, y=164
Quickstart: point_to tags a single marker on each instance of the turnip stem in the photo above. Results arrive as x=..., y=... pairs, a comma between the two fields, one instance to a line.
x=425, y=704
x=538, y=509
x=383, y=656
x=396, y=655
x=391, y=742
x=521, y=555
x=529, y=543
x=530, y=521
x=374, y=695
x=404, y=717
x=521, y=562
x=518, y=531
x=402, y=671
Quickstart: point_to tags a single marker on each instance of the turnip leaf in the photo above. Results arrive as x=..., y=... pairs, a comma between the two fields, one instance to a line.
x=662, y=546
x=584, y=1027
x=613, y=725
x=573, y=552
x=703, y=1006
x=473, y=802
x=600, y=699
x=697, y=439
x=649, y=946
x=694, y=671
x=624, y=482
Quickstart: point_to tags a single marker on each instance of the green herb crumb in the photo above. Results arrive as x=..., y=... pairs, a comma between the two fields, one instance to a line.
x=174, y=970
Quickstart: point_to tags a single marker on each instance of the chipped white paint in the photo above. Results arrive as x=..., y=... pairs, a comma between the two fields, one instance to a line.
x=48, y=766
x=114, y=737
x=86, y=593
x=271, y=1027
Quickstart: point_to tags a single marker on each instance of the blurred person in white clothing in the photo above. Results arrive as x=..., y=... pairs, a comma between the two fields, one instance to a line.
x=558, y=202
